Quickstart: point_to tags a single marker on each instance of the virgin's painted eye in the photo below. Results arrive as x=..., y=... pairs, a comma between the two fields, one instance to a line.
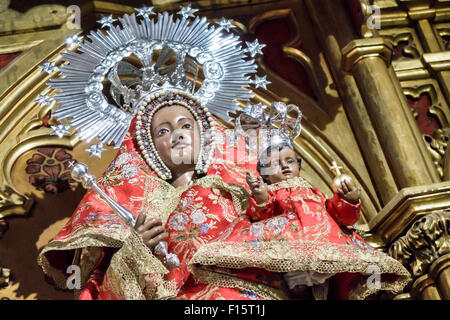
x=290, y=161
x=162, y=132
x=187, y=126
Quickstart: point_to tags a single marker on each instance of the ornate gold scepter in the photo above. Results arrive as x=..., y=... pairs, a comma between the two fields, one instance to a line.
x=80, y=173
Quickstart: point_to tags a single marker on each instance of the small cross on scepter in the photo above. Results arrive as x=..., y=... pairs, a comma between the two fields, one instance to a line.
x=336, y=168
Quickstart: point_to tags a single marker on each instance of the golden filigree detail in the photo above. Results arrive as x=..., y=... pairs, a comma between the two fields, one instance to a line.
x=290, y=183
x=427, y=240
x=296, y=255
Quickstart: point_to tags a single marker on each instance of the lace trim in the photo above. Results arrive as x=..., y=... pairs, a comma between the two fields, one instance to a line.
x=298, y=255
x=362, y=291
x=223, y=280
x=136, y=274
x=92, y=237
x=294, y=182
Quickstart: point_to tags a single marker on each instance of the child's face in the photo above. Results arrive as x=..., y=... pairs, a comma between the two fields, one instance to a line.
x=176, y=137
x=283, y=165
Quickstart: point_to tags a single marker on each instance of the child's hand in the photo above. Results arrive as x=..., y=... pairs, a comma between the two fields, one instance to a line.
x=258, y=187
x=349, y=193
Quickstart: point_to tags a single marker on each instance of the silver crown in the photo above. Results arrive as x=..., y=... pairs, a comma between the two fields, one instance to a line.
x=270, y=129
x=142, y=56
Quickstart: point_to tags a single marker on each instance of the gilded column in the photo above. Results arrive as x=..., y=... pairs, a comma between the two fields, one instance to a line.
x=439, y=65
x=440, y=273
x=369, y=61
x=333, y=35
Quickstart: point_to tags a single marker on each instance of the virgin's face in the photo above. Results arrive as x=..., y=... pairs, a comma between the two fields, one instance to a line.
x=283, y=165
x=175, y=134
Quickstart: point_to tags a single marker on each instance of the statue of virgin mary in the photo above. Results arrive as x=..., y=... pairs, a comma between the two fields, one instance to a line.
x=155, y=87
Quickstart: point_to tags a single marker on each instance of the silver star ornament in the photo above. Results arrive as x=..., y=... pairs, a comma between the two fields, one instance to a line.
x=44, y=100
x=60, y=130
x=187, y=11
x=107, y=21
x=226, y=24
x=73, y=40
x=96, y=150
x=145, y=12
x=254, y=47
x=49, y=67
x=261, y=82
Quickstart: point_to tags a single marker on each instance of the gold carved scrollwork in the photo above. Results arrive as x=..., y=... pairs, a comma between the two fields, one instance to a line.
x=425, y=241
x=12, y=202
x=437, y=146
x=425, y=251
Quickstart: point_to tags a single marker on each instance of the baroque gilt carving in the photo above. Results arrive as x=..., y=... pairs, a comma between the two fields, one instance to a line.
x=426, y=240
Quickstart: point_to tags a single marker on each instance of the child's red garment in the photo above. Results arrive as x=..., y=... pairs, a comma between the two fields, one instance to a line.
x=297, y=211
x=299, y=230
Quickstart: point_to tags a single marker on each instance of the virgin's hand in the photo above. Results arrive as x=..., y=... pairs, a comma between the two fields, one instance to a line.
x=151, y=231
x=348, y=193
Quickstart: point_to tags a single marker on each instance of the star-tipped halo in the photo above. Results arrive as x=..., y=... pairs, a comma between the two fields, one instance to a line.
x=44, y=100
x=254, y=47
x=60, y=130
x=226, y=24
x=145, y=12
x=261, y=82
x=96, y=150
x=187, y=11
x=49, y=67
x=107, y=21
x=73, y=40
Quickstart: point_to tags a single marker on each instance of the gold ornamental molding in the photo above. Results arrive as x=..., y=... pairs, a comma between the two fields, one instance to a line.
x=437, y=61
x=360, y=49
x=412, y=69
x=424, y=288
x=406, y=207
x=424, y=243
x=37, y=18
x=425, y=251
x=440, y=273
x=13, y=203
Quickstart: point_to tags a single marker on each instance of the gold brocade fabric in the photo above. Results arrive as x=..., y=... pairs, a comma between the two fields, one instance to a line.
x=136, y=274
x=162, y=202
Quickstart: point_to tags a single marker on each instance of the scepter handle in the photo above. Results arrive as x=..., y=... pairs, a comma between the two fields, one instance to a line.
x=80, y=173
